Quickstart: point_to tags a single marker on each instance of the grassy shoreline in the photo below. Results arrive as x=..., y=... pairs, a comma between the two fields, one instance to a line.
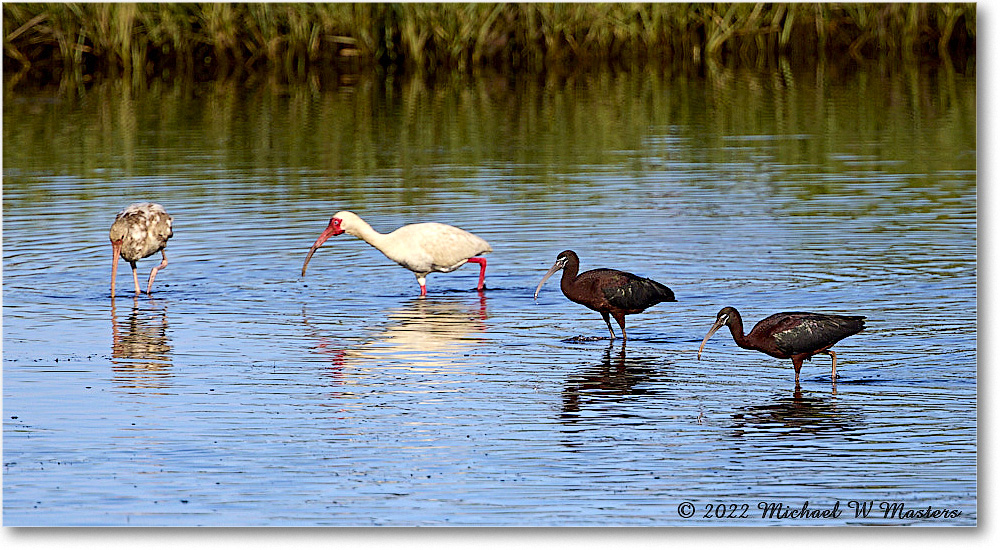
x=207, y=40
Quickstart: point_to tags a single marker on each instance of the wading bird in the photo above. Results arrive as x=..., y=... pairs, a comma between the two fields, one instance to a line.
x=607, y=291
x=139, y=231
x=793, y=335
x=422, y=248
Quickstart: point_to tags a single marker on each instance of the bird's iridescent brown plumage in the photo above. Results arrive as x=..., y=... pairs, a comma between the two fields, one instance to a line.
x=610, y=292
x=794, y=335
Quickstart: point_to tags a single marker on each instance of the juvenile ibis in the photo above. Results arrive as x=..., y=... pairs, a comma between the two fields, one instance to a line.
x=607, y=291
x=792, y=335
x=422, y=248
x=139, y=231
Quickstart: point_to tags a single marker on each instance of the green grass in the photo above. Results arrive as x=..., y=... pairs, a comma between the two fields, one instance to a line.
x=145, y=40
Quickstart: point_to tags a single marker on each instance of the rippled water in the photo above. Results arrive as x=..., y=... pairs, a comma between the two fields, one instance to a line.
x=241, y=393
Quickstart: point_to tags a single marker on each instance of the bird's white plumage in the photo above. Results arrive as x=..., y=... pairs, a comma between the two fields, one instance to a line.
x=421, y=247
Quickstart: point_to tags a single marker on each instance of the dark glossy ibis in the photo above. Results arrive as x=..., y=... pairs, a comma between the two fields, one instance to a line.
x=423, y=248
x=607, y=291
x=139, y=231
x=792, y=335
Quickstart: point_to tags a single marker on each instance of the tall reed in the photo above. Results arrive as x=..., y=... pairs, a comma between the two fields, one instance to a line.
x=213, y=38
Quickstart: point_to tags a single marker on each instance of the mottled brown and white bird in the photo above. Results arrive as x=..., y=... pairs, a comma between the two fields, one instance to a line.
x=423, y=248
x=791, y=335
x=139, y=231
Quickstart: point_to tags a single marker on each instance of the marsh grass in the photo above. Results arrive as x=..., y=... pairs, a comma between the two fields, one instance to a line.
x=218, y=39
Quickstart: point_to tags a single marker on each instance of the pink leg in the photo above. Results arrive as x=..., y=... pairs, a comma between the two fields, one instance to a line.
x=152, y=274
x=482, y=270
x=135, y=278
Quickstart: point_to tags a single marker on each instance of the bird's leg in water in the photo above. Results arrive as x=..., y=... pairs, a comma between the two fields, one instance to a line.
x=482, y=271
x=621, y=322
x=833, y=357
x=152, y=274
x=135, y=278
x=797, y=363
x=607, y=319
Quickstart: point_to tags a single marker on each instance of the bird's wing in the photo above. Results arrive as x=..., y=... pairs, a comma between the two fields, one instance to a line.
x=162, y=225
x=631, y=292
x=807, y=332
x=446, y=247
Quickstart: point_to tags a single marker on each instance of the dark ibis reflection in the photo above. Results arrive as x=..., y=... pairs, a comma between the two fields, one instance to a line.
x=796, y=415
x=601, y=385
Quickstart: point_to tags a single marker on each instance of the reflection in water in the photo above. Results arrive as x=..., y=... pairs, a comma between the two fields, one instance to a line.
x=604, y=383
x=794, y=416
x=140, y=350
x=426, y=332
x=324, y=344
x=800, y=117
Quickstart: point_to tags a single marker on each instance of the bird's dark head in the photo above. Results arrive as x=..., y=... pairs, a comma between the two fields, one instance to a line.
x=726, y=316
x=564, y=257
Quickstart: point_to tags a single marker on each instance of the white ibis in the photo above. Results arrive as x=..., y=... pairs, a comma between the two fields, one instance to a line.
x=607, y=291
x=790, y=335
x=139, y=231
x=422, y=248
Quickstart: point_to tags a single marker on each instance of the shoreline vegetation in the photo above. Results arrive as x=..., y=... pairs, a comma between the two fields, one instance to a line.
x=49, y=42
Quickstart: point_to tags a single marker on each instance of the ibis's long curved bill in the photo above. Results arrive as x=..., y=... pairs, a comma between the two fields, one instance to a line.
x=327, y=233
x=718, y=324
x=116, y=250
x=558, y=265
